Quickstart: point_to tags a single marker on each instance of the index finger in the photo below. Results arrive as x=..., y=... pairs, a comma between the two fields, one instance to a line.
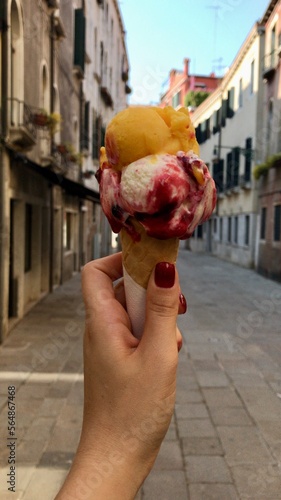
x=98, y=275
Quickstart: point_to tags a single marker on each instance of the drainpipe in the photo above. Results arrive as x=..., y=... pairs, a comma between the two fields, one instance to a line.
x=52, y=105
x=4, y=166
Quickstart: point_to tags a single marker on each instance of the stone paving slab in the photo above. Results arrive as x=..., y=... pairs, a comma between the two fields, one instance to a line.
x=212, y=492
x=224, y=441
x=207, y=469
x=244, y=445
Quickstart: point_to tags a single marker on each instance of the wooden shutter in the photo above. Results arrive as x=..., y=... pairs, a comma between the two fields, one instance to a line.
x=79, y=39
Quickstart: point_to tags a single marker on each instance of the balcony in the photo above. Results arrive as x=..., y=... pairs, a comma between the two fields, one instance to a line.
x=21, y=130
x=270, y=63
x=128, y=89
x=245, y=182
x=53, y=4
x=106, y=96
x=58, y=25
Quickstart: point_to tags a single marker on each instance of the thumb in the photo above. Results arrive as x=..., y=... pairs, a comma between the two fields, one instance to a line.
x=162, y=298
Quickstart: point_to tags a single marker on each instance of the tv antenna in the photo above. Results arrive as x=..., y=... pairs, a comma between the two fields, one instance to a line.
x=216, y=8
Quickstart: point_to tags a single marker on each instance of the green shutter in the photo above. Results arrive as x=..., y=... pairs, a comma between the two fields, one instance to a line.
x=224, y=112
x=86, y=125
x=198, y=133
x=230, y=103
x=248, y=159
x=79, y=39
x=229, y=170
x=235, y=166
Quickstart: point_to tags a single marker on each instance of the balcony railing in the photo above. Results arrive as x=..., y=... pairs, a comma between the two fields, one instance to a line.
x=270, y=63
x=106, y=96
x=245, y=181
x=22, y=132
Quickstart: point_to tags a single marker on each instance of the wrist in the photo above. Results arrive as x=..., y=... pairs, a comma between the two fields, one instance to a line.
x=99, y=475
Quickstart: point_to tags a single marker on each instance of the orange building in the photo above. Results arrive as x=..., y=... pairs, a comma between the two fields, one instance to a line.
x=181, y=82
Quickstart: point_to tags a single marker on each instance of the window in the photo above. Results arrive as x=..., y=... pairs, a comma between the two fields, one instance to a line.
x=203, y=131
x=84, y=139
x=269, y=119
x=252, y=77
x=235, y=166
x=224, y=112
x=218, y=175
x=229, y=230
x=208, y=128
x=229, y=170
x=247, y=230
x=263, y=223
x=232, y=168
x=79, y=39
x=200, y=231
x=272, y=45
x=215, y=225
x=240, y=95
x=176, y=100
x=96, y=135
x=16, y=63
x=248, y=160
x=67, y=231
x=28, y=238
x=216, y=121
x=221, y=229
x=236, y=229
x=230, y=103
x=277, y=223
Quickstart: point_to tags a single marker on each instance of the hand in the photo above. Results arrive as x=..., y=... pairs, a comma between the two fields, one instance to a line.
x=129, y=386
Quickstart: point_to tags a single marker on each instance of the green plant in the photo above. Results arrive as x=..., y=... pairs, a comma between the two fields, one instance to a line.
x=263, y=168
x=195, y=98
x=54, y=119
x=43, y=119
x=260, y=170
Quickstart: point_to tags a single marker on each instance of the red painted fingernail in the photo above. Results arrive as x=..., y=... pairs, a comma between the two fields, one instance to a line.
x=164, y=275
x=179, y=345
x=183, y=302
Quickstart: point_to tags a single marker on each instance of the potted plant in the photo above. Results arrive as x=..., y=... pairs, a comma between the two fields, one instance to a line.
x=62, y=149
x=43, y=119
x=53, y=121
x=40, y=118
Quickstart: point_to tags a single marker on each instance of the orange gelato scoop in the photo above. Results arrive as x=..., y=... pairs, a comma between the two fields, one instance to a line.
x=137, y=132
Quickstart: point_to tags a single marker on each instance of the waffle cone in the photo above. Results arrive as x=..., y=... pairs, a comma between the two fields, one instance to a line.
x=140, y=257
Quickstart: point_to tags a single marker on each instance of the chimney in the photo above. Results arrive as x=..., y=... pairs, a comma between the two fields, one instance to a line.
x=186, y=62
x=172, y=77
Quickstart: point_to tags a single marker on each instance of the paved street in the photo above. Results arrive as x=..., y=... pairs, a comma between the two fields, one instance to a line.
x=224, y=442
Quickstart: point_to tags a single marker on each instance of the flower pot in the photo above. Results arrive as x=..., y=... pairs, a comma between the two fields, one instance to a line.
x=40, y=120
x=62, y=149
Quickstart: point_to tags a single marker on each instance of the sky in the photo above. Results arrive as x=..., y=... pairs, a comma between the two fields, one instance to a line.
x=161, y=33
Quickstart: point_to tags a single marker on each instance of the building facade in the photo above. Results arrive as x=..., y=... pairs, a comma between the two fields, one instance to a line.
x=52, y=125
x=181, y=83
x=269, y=206
x=227, y=127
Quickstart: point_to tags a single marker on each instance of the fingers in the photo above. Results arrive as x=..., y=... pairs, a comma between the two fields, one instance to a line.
x=179, y=340
x=119, y=292
x=101, y=307
x=162, y=308
x=182, y=304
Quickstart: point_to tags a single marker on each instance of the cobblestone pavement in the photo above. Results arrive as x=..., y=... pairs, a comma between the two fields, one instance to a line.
x=224, y=442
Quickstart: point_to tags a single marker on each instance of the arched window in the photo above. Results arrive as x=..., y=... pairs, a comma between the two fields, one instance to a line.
x=45, y=88
x=16, y=63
